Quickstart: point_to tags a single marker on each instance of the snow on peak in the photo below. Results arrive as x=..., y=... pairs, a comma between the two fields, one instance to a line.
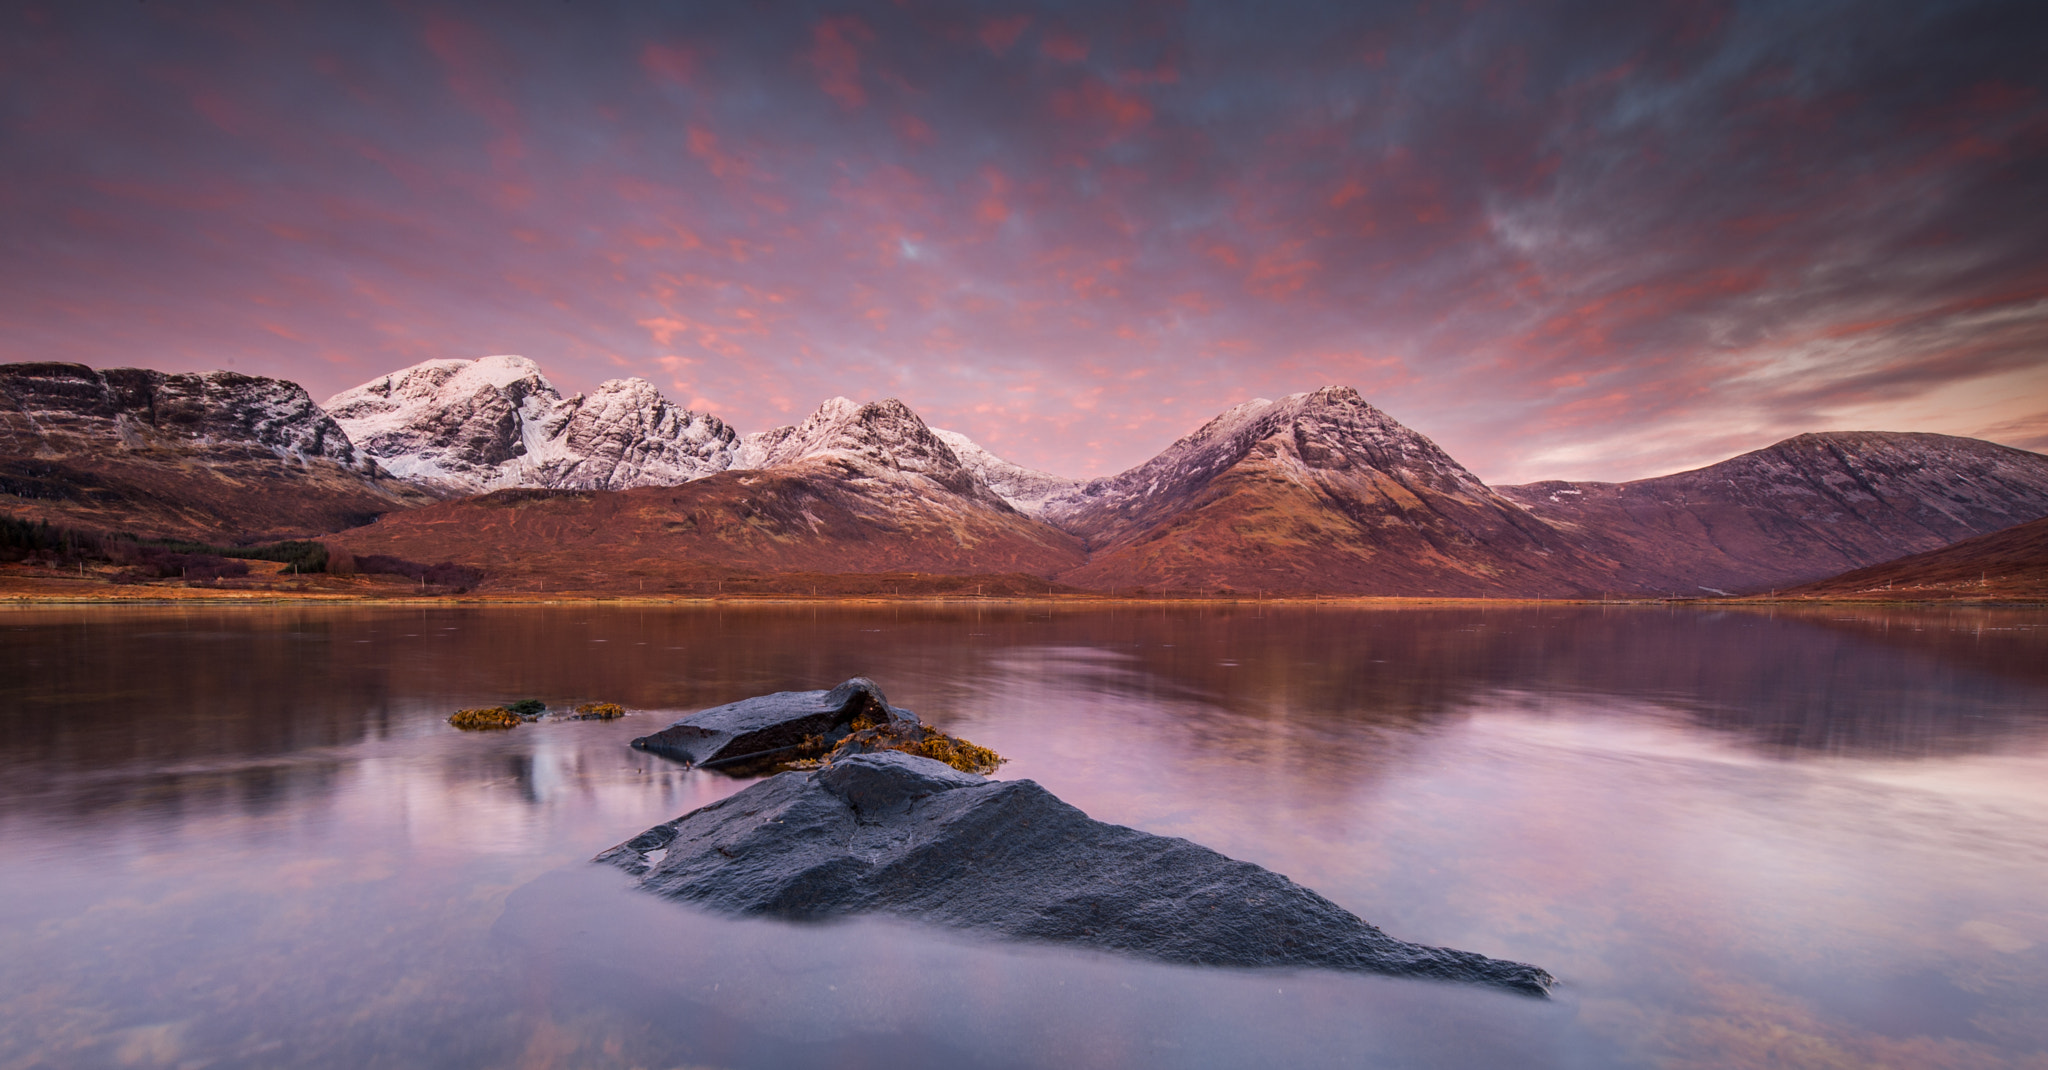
x=1332, y=429
x=1026, y=489
x=469, y=426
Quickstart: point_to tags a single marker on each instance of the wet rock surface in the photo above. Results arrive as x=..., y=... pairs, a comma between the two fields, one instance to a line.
x=896, y=834
x=754, y=734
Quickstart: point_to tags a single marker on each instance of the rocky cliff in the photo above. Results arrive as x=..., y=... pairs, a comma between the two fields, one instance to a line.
x=201, y=454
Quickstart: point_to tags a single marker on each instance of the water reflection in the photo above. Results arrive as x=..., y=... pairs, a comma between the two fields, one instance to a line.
x=1743, y=838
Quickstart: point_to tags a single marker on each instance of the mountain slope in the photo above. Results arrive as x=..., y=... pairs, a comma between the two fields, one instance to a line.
x=468, y=426
x=1807, y=507
x=1028, y=490
x=2005, y=565
x=852, y=489
x=1315, y=492
x=213, y=454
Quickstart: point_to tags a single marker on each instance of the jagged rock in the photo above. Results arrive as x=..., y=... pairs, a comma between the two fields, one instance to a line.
x=757, y=732
x=896, y=834
x=469, y=426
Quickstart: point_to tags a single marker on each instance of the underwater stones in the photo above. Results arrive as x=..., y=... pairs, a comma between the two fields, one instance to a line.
x=892, y=833
x=757, y=733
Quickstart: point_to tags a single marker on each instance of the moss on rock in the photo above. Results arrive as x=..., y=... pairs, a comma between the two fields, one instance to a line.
x=485, y=717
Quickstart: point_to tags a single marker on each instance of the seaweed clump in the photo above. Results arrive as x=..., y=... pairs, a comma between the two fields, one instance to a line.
x=527, y=709
x=870, y=736
x=485, y=717
x=598, y=711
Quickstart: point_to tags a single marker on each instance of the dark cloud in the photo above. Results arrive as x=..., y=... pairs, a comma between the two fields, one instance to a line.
x=1594, y=240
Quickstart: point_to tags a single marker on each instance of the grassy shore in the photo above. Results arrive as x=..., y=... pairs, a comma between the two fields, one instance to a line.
x=20, y=585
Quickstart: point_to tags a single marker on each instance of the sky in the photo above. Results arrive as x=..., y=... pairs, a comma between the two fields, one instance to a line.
x=1563, y=240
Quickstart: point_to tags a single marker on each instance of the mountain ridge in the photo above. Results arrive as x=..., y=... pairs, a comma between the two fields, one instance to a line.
x=1318, y=491
x=1799, y=509
x=468, y=427
x=197, y=454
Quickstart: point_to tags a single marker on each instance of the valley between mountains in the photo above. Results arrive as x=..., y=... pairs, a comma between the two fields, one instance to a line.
x=487, y=465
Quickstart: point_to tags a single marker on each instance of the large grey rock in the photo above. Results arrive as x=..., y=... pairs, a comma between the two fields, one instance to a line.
x=895, y=834
x=743, y=735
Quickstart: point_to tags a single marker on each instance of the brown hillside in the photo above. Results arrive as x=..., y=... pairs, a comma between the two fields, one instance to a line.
x=804, y=518
x=2005, y=565
x=1267, y=524
x=1805, y=508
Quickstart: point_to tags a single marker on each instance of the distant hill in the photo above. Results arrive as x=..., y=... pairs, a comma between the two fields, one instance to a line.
x=204, y=455
x=2006, y=565
x=1805, y=508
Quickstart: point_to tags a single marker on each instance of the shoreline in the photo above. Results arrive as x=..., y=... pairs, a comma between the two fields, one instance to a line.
x=23, y=594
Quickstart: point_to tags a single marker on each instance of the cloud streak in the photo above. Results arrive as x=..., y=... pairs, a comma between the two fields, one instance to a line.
x=1563, y=239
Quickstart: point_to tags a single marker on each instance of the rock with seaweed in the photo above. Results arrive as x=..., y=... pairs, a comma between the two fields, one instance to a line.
x=757, y=735
x=593, y=711
x=921, y=740
x=483, y=718
x=893, y=833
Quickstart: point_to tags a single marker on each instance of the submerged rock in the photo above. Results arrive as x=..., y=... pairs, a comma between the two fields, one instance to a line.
x=757, y=733
x=897, y=834
x=593, y=711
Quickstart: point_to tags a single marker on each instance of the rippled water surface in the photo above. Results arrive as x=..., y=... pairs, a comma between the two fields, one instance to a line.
x=245, y=837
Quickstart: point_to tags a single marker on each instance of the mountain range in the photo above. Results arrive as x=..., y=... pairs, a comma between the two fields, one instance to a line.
x=485, y=462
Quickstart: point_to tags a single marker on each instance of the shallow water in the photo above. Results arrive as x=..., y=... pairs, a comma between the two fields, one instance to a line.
x=245, y=837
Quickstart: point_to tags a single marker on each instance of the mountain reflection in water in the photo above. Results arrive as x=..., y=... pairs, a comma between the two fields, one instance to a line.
x=1745, y=837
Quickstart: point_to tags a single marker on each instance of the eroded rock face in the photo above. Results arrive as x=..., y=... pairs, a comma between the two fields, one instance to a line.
x=761, y=731
x=895, y=834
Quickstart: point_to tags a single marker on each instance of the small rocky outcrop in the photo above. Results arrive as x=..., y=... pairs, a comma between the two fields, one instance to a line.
x=891, y=833
x=756, y=734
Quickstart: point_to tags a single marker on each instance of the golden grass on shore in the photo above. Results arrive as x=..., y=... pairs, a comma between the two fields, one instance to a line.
x=270, y=583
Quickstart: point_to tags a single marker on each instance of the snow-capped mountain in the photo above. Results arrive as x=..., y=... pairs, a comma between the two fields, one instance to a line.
x=879, y=439
x=469, y=426
x=1315, y=491
x=1810, y=506
x=853, y=488
x=196, y=453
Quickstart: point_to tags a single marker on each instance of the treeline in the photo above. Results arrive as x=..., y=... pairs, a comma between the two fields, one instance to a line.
x=42, y=543
x=446, y=574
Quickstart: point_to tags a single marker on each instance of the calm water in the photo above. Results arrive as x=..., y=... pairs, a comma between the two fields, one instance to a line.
x=244, y=837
